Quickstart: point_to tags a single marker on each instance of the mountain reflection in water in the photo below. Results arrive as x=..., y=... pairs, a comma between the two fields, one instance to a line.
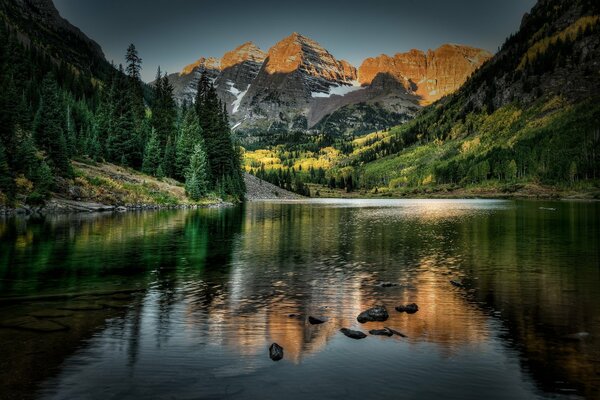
x=211, y=289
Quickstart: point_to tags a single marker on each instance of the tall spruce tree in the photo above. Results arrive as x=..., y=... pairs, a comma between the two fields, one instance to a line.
x=49, y=128
x=189, y=135
x=196, y=180
x=136, y=102
x=164, y=110
x=122, y=146
x=152, y=155
x=225, y=174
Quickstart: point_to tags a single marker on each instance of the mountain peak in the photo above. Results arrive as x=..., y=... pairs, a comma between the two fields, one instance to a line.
x=210, y=63
x=245, y=52
x=298, y=52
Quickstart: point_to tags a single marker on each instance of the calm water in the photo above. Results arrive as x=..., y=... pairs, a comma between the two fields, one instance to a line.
x=184, y=304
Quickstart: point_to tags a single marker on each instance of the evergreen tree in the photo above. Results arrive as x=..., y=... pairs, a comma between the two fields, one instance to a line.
x=136, y=103
x=190, y=134
x=49, y=128
x=122, y=146
x=152, y=155
x=224, y=159
x=168, y=164
x=196, y=182
x=164, y=110
x=6, y=181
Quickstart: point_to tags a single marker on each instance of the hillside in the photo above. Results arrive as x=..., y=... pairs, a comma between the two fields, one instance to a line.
x=61, y=101
x=98, y=187
x=524, y=124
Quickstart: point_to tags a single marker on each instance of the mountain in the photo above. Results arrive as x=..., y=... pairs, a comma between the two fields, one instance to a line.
x=38, y=23
x=300, y=86
x=526, y=122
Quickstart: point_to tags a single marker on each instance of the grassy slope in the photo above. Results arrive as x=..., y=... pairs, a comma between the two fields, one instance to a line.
x=113, y=185
x=553, y=127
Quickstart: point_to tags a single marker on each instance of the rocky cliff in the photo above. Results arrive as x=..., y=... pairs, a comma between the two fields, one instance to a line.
x=430, y=75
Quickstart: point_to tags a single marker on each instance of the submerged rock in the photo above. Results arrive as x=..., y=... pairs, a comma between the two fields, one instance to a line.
x=395, y=332
x=378, y=313
x=409, y=308
x=387, y=284
x=275, y=352
x=457, y=284
x=353, y=334
x=381, y=332
x=316, y=321
x=577, y=336
x=293, y=315
x=50, y=313
x=33, y=324
x=82, y=306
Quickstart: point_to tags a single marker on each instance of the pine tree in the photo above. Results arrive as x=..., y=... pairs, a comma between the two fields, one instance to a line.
x=122, y=145
x=136, y=99
x=71, y=136
x=152, y=155
x=164, y=110
x=196, y=182
x=6, y=181
x=223, y=155
x=168, y=164
x=49, y=128
x=190, y=134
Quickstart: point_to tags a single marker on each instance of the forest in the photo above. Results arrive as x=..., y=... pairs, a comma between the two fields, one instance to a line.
x=52, y=112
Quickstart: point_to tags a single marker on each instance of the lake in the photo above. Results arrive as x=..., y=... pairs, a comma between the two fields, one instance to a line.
x=184, y=304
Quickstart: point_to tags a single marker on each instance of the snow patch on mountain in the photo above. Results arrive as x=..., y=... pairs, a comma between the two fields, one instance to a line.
x=239, y=96
x=340, y=90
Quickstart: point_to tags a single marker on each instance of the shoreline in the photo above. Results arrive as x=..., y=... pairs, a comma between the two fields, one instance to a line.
x=57, y=206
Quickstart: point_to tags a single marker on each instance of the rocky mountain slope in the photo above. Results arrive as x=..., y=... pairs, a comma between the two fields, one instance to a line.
x=529, y=116
x=431, y=75
x=38, y=23
x=299, y=86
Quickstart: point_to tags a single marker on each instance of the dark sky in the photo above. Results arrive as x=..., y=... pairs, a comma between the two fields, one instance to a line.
x=174, y=33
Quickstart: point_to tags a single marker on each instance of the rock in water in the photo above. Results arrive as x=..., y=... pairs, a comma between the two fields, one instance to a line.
x=378, y=313
x=395, y=332
x=353, y=334
x=577, y=336
x=275, y=352
x=409, y=308
x=381, y=332
x=316, y=321
x=457, y=284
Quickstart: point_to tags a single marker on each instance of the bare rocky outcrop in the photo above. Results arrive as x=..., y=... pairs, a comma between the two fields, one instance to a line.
x=429, y=75
x=257, y=189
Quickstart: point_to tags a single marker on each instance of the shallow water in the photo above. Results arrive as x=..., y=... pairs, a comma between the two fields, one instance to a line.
x=184, y=304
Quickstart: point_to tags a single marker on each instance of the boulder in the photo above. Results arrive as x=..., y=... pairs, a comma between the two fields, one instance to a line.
x=353, y=334
x=377, y=313
x=395, y=332
x=409, y=308
x=316, y=321
x=381, y=332
x=275, y=352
